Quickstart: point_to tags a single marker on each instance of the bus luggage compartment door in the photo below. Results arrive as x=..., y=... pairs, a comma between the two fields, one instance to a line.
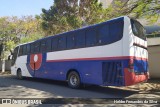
x=112, y=73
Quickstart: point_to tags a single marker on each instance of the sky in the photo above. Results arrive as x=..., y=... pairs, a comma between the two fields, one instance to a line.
x=23, y=7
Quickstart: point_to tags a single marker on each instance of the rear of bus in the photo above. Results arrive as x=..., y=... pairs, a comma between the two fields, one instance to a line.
x=137, y=65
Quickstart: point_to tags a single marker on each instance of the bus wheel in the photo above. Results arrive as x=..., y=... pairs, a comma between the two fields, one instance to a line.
x=73, y=80
x=19, y=74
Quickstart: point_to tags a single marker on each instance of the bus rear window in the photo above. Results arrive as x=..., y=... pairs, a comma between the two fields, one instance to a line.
x=138, y=29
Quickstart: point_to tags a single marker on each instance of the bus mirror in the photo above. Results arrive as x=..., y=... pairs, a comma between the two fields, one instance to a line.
x=10, y=57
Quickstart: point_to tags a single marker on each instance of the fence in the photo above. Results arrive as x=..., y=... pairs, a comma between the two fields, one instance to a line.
x=153, y=35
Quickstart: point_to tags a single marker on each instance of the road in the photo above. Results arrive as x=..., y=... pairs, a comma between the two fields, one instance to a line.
x=11, y=87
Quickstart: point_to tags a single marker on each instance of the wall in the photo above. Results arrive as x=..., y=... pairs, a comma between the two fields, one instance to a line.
x=154, y=57
x=7, y=65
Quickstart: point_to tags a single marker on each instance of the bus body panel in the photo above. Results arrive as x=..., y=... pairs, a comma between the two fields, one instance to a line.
x=58, y=70
x=111, y=50
x=86, y=69
x=57, y=64
x=106, y=65
x=21, y=63
x=138, y=53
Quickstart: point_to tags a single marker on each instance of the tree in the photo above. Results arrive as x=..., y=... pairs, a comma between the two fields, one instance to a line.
x=65, y=15
x=7, y=31
x=55, y=20
x=15, y=30
x=148, y=9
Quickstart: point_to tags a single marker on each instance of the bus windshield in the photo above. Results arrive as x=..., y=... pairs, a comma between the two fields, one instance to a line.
x=138, y=29
x=14, y=56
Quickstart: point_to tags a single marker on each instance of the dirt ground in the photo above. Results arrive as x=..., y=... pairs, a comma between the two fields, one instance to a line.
x=152, y=85
x=149, y=89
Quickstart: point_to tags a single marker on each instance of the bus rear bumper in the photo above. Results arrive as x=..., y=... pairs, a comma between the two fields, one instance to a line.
x=131, y=78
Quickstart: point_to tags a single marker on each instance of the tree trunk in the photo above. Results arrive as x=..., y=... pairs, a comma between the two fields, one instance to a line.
x=3, y=59
x=3, y=65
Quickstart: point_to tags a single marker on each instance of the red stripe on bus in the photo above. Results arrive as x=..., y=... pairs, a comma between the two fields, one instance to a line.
x=101, y=58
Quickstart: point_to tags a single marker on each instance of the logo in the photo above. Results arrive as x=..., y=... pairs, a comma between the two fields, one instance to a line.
x=35, y=61
x=21, y=101
x=6, y=101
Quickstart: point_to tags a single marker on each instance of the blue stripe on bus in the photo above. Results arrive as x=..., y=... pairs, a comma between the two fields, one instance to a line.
x=90, y=71
x=140, y=66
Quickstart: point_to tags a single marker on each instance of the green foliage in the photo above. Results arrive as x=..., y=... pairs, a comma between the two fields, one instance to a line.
x=31, y=37
x=7, y=30
x=15, y=30
x=65, y=15
x=9, y=45
x=149, y=9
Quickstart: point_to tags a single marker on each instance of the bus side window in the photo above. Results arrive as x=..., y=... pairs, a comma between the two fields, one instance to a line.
x=103, y=34
x=116, y=30
x=37, y=47
x=80, y=39
x=54, y=43
x=28, y=48
x=70, y=41
x=91, y=37
x=43, y=46
x=32, y=48
x=48, y=44
x=62, y=42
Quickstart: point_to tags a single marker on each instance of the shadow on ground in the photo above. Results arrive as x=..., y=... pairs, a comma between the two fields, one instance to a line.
x=59, y=89
x=11, y=87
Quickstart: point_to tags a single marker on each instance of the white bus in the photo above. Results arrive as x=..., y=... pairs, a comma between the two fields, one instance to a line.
x=112, y=53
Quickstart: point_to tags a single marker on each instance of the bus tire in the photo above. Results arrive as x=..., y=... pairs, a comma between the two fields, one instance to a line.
x=74, y=80
x=19, y=74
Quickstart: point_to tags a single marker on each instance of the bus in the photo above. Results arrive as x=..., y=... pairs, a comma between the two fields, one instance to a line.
x=111, y=53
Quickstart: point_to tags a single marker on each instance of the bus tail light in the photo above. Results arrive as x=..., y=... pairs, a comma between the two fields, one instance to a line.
x=131, y=65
